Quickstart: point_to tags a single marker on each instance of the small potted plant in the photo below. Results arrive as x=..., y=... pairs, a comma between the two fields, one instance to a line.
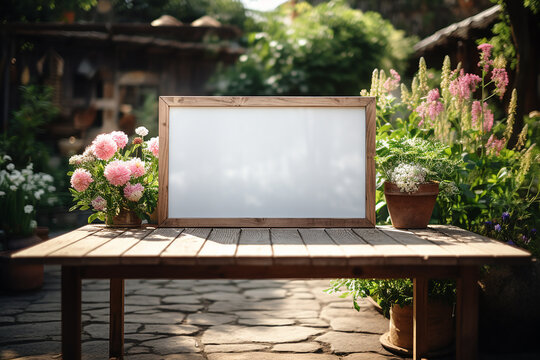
x=21, y=191
x=117, y=181
x=395, y=297
x=415, y=171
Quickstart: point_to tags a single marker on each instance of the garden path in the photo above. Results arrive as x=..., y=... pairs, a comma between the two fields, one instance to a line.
x=199, y=319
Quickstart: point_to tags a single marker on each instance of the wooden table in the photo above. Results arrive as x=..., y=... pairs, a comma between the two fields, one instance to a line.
x=98, y=252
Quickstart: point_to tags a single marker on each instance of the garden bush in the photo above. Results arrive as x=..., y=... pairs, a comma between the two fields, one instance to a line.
x=499, y=186
x=329, y=49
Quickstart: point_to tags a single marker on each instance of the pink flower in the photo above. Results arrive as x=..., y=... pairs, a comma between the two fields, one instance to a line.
x=104, y=146
x=99, y=204
x=120, y=138
x=432, y=107
x=500, y=78
x=392, y=82
x=133, y=192
x=117, y=173
x=485, y=54
x=464, y=85
x=494, y=145
x=153, y=146
x=81, y=179
x=476, y=114
x=433, y=95
x=136, y=166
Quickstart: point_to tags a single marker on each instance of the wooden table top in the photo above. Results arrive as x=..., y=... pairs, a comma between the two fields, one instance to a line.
x=437, y=245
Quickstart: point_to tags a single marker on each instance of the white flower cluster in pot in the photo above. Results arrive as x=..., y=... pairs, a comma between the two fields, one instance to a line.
x=407, y=177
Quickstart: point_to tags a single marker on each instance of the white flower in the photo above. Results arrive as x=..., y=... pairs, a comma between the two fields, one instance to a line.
x=141, y=131
x=75, y=160
x=13, y=187
x=51, y=189
x=10, y=167
x=28, y=209
x=33, y=224
x=6, y=158
x=407, y=177
x=2, y=193
x=38, y=194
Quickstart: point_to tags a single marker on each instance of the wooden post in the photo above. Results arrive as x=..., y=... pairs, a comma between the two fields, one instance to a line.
x=467, y=314
x=116, y=316
x=420, y=317
x=71, y=313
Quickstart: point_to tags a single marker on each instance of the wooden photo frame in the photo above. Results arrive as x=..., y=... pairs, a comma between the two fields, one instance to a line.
x=266, y=161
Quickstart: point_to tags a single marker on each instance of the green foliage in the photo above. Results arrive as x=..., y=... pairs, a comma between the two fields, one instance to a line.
x=391, y=291
x=433, y=156
x=35, y=111
x=40, y=10
x=324, y=50
x=230, y=12
x=492, y=181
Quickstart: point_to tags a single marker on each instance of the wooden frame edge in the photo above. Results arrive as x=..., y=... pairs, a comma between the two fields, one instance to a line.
x=163, y=168
x=166, y=102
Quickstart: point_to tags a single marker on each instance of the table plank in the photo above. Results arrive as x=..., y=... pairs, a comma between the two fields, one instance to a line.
x=110, y=252
x=428, y=250
x=147, y=250
x=456, y=248
x=288, y=247
x=492, y=247
x=75, y=252
x=47, y=247
x=184, y=248
x=392, y=251
x=358, y=251
x=254, y=247
x=220, y=247
x=322, y=250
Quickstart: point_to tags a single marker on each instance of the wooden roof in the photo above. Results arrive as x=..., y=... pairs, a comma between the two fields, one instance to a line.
x=459, y=30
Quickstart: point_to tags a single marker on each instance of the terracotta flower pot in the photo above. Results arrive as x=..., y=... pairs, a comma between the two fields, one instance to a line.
x=440, y=330
x=126, y=218
x=411, y=210
x=21, y=277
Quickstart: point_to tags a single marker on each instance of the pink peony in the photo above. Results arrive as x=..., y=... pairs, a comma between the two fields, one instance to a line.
x=104, y=146
x=133, y=192
x=136, y=166
x=99, y=204
x=81, y=179
x=120, y=138
x=500, y=78
x=153, y=146
x=117, y=173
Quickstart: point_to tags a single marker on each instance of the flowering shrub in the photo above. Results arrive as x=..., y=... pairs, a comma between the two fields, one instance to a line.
x=20, y=193
x=110, y=176
x=411, y=162
x=458, y=111
x=407, y=177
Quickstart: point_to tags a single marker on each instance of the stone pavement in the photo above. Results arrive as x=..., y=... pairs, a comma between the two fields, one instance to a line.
x=200, y=319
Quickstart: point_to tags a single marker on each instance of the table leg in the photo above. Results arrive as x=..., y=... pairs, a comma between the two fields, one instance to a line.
x=467, y=313
x=116, y=314
x=420, y=318
x=71, y=313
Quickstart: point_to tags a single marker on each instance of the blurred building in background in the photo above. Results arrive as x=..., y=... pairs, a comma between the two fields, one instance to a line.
x=109, y=76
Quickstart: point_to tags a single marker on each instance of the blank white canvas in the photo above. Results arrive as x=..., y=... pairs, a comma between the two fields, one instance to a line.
x=269, y=162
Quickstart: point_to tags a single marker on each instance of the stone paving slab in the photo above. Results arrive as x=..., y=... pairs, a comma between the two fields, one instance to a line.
x=200, y=320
